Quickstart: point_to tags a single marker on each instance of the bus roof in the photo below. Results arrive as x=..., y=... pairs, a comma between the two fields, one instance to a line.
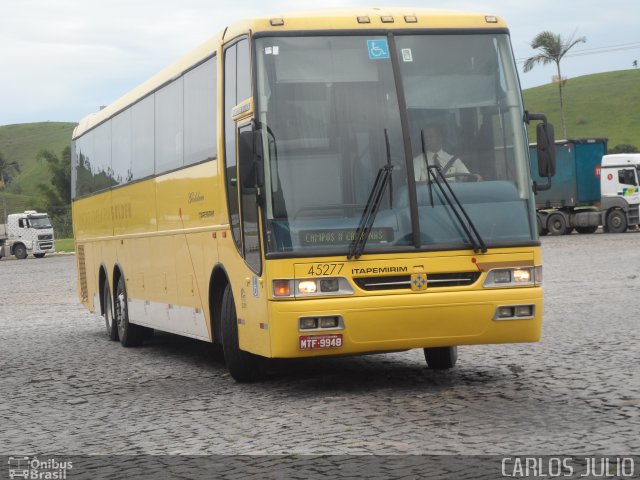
x=335, y=20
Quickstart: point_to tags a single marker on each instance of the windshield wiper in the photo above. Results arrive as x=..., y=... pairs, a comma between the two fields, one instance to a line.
x=452, y=200
x=373, y=205
x=370, y=211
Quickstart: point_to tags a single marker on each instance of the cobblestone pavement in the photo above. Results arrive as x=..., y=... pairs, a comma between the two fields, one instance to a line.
x=66, y=389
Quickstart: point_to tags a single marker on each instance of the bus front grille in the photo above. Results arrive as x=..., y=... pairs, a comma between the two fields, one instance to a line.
x=434, y=280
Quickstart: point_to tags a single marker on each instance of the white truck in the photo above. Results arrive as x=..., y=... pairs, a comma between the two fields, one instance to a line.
x=590, y=189
x=26, y=233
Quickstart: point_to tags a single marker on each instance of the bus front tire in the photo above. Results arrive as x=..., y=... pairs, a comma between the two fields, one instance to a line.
x=130, y=335
x=243, y=366
x=110, y=323
x=441, y=358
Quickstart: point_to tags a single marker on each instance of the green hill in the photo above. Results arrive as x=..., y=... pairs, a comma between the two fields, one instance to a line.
x=599, y=105
x=21, y=143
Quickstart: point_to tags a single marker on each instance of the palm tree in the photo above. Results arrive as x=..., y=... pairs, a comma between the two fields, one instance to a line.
x=552, y=48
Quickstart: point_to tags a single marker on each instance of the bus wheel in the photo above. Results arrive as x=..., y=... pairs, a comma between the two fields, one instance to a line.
x=441, y=358
x=130, y=335
x=243, y=366
x=112, y=328
x=617, y=221
x=20, y=251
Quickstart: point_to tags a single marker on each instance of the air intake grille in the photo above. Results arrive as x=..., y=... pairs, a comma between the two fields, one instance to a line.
x=82, y=274
x=434, y=280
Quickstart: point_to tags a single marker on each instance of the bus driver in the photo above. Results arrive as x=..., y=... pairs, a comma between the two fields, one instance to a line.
x=451, y=166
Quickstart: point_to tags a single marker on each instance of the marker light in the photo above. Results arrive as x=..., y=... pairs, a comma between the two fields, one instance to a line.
x=491, y=19
x=386, y=19
x=411, y=19
x=364, y=19
x=281, y=288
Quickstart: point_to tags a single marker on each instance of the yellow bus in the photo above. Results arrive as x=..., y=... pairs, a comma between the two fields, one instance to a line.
x=275, y=191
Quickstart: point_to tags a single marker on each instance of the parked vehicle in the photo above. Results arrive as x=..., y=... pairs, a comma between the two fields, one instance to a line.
x=26, y=233
x=590, y=189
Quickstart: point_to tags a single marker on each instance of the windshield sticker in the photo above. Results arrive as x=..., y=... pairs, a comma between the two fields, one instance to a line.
x=407, y=56
x=272, y=50
x=378, y=49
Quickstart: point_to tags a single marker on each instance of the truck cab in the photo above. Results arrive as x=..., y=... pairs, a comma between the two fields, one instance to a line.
x=26, y=233
x=620, y=189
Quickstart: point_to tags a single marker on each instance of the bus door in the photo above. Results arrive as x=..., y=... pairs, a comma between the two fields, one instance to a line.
x=242, y=197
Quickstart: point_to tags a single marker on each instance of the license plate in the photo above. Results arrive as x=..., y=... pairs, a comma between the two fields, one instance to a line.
x=315, y=342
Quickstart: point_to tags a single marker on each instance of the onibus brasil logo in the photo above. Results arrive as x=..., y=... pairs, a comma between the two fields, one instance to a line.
x=33, y=468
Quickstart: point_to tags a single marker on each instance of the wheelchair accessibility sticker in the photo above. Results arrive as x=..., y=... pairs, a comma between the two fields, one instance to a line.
x=378, y=49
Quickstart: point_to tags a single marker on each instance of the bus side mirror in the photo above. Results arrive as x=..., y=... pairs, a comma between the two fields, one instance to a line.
x=250, y=157
x=545, y=148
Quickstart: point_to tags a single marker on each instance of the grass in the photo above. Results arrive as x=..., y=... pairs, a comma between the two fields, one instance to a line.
x=21, y=143
x=599, y=105
x=65, y=245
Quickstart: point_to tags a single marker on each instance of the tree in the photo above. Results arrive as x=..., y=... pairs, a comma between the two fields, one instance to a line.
x=624, y=148
x=8, y=170
x=59, y=193
x=552, y=49
x=635, y=63
x=57, y=196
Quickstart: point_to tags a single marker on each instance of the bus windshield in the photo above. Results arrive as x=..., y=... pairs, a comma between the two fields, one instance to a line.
x=332, y=111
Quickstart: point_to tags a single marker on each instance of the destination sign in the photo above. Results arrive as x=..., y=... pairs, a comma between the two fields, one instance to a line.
x=337, y=236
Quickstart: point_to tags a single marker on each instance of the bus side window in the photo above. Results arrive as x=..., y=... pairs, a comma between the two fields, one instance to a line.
x=21, y=223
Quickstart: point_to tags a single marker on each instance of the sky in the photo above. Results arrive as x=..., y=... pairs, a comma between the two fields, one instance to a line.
x=61, y=59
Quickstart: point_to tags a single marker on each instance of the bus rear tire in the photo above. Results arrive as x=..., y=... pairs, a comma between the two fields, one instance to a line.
x=110, y=323
x=130, y=335
x=441, y=358
x=243, y=366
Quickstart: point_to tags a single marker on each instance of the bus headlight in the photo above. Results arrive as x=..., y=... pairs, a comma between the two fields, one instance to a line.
x=307, y=287
x=513, y=277
x=311, y=287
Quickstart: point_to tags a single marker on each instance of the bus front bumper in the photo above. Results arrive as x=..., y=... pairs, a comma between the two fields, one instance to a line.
x=400, y=322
